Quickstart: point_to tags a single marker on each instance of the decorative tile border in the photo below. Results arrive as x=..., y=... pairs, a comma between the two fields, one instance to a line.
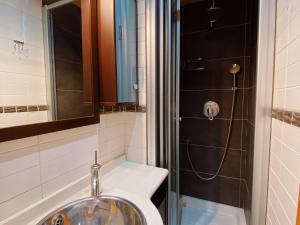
x=9, y=109
x=122, y=108
x=23, y=108
x=286, y=116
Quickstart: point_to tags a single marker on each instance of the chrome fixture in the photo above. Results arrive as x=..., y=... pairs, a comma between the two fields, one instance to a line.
x=213, y=5
x=234, y=69
x=96, y=178
x=194, y=64
x=214, y=13
x=211, y=109
x=19, y=49
x=104, y=210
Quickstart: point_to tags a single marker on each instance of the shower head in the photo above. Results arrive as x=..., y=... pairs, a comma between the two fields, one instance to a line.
x=213, y=13
x=213, y=6
x=234, y=69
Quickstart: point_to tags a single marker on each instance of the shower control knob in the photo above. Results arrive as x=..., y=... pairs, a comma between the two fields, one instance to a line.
x=211, y=109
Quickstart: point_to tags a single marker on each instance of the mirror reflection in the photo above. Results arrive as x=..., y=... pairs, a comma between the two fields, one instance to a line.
x=42, y=75
x=63, y=39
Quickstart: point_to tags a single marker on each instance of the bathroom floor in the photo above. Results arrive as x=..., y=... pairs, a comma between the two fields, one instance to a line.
x=201, y=212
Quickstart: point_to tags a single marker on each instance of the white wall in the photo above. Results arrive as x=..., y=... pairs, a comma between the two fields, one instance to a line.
x=141, y=52
x=136, y=137
x=285, y=141
x=124, y=131
x=35, y=167
x=22, y=78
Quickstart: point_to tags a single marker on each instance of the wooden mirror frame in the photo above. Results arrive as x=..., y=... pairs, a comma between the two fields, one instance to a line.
x=90, y=46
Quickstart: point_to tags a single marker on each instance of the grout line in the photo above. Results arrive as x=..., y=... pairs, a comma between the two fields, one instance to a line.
x=18, y=149
x=204, y=118
x=210, y=146
x=291, y=87
x=62, y=173
x=217, y=28
x=20, y=171
x=24, y=74
x=286, y=191
x=227, y=58
x=288, y=44
x=66, y=90
x=222, y=176
x=278, y=178
x=18, y=195
x=243, y=102
x=280, y=204
x=210, y=89
x=271, y=206
x=40, y=169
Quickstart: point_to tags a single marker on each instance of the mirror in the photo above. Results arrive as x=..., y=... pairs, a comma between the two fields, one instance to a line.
x=45, y=69
x=121, y=52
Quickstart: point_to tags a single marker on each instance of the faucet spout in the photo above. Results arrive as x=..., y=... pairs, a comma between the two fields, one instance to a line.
x=96, y=178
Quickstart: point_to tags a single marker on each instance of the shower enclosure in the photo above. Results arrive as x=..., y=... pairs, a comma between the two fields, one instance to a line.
x=210, y=110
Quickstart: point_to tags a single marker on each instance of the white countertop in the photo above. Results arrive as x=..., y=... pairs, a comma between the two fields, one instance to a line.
x=135, y=178
x=131, y=181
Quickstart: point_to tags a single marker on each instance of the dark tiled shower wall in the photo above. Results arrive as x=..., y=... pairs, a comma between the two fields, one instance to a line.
x=68, y=63
x=233, y=40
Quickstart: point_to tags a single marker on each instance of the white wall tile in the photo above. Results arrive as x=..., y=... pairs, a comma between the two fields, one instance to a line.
x=64, y=179
x=272, y=217
x=136, y=145
x=22, y=77
x=279, y=98
x=291, y=98
x=293, y=29
x=33, y=168
x=290, y=136
x=293, y=52
x=285, y=143
x=38, y=166
x=18, y=144
x=285, y=199
x=292, y=76
x=291, y=160
x=20, y=202
x=17, y=161
x=290, y=183
x=278, y=208
x=19, y=183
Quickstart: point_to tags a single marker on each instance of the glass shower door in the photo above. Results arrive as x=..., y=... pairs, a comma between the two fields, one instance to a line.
x=172, y=10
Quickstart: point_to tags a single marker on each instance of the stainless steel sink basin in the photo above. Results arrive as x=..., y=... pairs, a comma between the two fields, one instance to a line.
x=104, y=210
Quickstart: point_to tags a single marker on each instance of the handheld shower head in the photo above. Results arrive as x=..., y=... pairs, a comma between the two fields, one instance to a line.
x=234, y=69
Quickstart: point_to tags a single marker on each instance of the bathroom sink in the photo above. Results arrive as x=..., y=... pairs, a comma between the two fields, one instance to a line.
x=103, y=210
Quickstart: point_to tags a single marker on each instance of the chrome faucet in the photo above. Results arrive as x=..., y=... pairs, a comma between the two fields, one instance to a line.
x=96, y=178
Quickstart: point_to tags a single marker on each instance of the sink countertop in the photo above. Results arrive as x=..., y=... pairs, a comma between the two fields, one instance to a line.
x=132, y=181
